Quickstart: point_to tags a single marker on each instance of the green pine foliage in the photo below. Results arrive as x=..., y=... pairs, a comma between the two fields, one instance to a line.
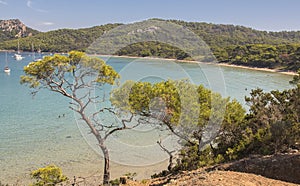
x=50, y=175
x=271, y=126
x=282, y=56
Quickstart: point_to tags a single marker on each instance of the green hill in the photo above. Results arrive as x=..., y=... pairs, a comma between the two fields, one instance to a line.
x=62, y=40
x=215, y=35
x=222, y=35
x=229, y=43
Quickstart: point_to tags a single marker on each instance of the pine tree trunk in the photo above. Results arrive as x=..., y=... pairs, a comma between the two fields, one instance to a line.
x=170, y=162
x=106, y=170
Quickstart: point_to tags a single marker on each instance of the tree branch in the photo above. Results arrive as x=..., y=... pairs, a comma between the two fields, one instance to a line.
x=120, y=128
x=170, y=153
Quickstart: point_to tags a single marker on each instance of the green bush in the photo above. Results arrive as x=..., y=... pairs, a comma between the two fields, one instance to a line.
x=49, y=175
x=115, y=182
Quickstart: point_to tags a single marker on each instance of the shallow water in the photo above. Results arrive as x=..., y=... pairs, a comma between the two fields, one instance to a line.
x=41, y=130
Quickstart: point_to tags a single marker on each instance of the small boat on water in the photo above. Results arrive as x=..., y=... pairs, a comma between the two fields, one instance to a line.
x=18, y=57
x=39, y=59
x=33, y=54
x=7, y=69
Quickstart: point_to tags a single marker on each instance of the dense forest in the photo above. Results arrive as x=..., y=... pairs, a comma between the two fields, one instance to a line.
x=284, y=56
x=230, y=44
x=62, y=40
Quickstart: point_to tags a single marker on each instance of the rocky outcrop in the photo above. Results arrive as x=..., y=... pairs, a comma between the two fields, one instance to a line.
x=275, y=170
x=16, y=26
x=285, y=167
x=224, y=178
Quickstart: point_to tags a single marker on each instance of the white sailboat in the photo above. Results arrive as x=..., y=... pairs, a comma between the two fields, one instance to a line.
x=18, y=56
x=33, y=54
x=6, y=68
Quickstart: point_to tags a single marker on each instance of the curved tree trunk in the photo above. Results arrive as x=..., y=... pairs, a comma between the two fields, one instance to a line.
x=106, y=170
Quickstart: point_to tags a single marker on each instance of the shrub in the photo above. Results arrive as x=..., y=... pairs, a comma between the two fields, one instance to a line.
x=49, y=175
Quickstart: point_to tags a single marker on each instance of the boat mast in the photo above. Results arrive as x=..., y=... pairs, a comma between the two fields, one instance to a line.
x=18, y=47
x=6, y=68
x=32, y=49
x=6, y=62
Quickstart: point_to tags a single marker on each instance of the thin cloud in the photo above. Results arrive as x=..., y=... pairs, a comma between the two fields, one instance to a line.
x=30, y=5
x=3, y=2
x=47, y=23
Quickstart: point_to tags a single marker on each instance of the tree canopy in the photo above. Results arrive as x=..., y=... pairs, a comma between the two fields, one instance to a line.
x=76, y=76
x=194, y=113
x=283, y=56
x=191, y=112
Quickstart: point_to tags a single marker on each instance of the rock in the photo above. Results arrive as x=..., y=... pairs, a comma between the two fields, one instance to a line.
x=123, y=180
x=14, y=28
x=283, y=167
x=172, y=181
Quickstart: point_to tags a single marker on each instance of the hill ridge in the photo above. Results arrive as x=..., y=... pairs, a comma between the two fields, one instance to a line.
x=233, y=44
x=215, y=35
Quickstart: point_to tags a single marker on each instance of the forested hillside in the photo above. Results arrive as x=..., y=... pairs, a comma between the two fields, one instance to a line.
x=61, y=40
x=233, y=44
x=281, y=56
x=229, y=43
x=221, y=35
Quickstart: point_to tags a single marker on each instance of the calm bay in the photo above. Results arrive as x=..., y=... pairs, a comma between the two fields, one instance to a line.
x=41, y=130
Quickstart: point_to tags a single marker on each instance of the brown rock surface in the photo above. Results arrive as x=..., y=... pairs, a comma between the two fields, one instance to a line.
x=213, y=178
x=277, y=168
x=284, y=167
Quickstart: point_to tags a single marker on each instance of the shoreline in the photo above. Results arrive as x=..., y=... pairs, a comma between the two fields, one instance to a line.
x=291, y=73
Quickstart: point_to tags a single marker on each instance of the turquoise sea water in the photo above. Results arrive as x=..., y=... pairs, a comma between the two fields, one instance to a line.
x=41, y=130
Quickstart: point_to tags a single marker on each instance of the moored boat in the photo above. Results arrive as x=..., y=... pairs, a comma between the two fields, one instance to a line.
x=18, y=57
x=7, y=69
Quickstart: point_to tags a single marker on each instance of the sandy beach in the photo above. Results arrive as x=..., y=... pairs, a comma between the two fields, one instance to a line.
x=90, y=171
x=292, y=73
x=259, y=69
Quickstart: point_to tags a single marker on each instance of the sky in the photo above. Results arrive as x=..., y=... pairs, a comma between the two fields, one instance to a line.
x=45, y=15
